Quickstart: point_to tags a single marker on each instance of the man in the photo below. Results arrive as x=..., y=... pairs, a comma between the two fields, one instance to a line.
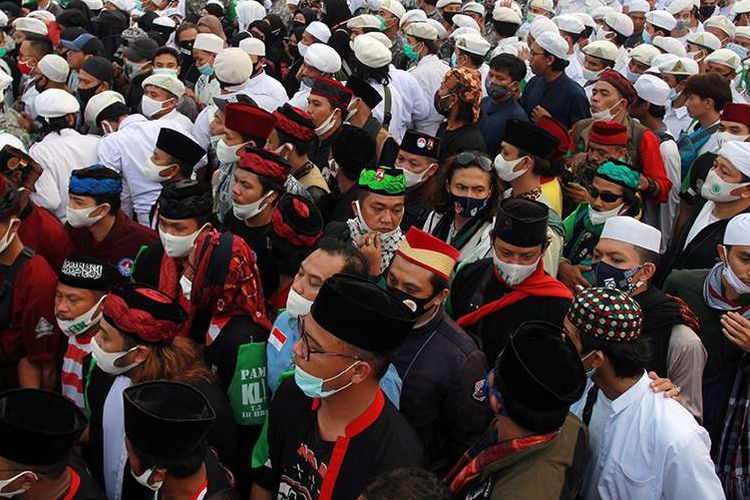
x=637, y=11
x=98, y=228
x=422, y=40
x=38, y=433
x=137, y=66
x=78, y=51
x=327, y=104
x=625, y=258
x=166, y=424
x=161, y=93
x=367, y=437
x=392, y=11
x=61, y=151
x=470, y=50
x=95, y=76
x=501, y=104
x=319, y=60
x=174, y=158
x=30, y=52
x=268, y=90
x=364, y=99
x=530, y=393
x=417, y=157
x=81, y=288
x=641, y=58
x=551, y=90
x=352, y=151
x=439, y=364
x=598, y=56
x=728, y=65
x=458, y=100
x=634, y=433
x=51, y=72
x=490, y=298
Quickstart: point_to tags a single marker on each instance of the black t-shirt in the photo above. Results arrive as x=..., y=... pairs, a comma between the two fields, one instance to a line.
x=466, y=138
x=257, y=239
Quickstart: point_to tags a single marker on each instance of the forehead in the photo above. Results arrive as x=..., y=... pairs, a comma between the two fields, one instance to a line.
x=473, y=175
x=504, y=245
x=323, y=264
x=410, y=272
x=606, y=87
x=728, y=124
x=411, y=156
x=610, y=246
x=165, y=58
x=382, y=200
x=605, y=185
x=246, y=176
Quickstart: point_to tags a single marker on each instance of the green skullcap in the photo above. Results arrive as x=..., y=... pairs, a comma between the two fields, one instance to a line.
x=619, y=173
x=388, y=181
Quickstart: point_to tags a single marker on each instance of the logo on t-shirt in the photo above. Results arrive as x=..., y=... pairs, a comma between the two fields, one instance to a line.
x=44, y=328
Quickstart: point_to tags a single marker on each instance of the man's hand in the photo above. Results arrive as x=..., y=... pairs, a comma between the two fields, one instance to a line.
x=664, y=385
x=572, y=274
x=539, y=112
x=736, y=328
x=643, y=184
x=371, y=247
x=576, y=193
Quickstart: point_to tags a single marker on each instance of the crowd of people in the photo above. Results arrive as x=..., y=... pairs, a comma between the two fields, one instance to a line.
x=374, y=249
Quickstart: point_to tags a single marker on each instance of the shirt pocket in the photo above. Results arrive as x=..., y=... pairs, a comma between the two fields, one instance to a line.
x=633, y=482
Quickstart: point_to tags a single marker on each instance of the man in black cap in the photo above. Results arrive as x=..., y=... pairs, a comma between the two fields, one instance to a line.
x=331, y=430
x=417, y=157
x=38, y=430
x=94, y=76
x=137, y=57
x=166, y=424
x=175, y=156
x=79, y=50
x=360, y=115
x=490, y=298
x=535, y=448
x=352, y=151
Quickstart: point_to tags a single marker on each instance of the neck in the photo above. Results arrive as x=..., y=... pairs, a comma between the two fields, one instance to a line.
x=709, y=118
x=652, y=123
x=162, y=113
x=728, y=209
x=620, y=118
x=459, y=221
x=426, y=318
x=262, y=219
x=359, y=118
x=551, y=76
x=345, y=184
x=329, y=133
x=101, y=229
x=641, y=289
x=454, y=123
x=392, y=31
x=507, y=429
x=49, y=488
x=527, y=182
x=340, y=409
x=11, y=253
x=176, y=489
x=297, y=161
x=612, y=385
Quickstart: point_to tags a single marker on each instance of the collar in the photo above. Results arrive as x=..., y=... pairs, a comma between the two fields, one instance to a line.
x=304, y=170
x=365, y=419
x=632, y=395
x=131, y=120
x=66, y=132
x=427, y=59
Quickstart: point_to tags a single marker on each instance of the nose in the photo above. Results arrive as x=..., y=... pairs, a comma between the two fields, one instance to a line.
x=298, y=350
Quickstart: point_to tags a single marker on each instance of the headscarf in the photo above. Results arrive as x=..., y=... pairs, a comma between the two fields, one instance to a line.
x=337, y=11
x=467, y=85
x=247, y=12
x=213, y=24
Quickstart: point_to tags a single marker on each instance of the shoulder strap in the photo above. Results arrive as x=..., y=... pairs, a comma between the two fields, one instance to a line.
x=387, y=107
x=588, y=407
x=25, y=255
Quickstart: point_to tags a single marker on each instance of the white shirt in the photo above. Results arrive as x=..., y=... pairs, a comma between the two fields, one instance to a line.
x=416, y=104
x=267, y=92
x=663, y=215
x=705, y=217
x=299, y=99
x=429, y=72
x=206, y=88
x=645, y=446
x=676, y=120
x=400, y=115
x=60, y=154
x=574, y=70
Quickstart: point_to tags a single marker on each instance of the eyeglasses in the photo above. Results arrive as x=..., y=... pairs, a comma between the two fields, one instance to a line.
x=473, y=158
x=605, y=196
x=307, y=350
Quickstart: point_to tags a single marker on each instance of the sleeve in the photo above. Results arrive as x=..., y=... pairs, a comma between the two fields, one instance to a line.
x=109, y=154
x=420, y=106
x=47, y=194
x=653, y=164
x=688, y=469
x=580, y=108
x=34, y=298
x=686, y=358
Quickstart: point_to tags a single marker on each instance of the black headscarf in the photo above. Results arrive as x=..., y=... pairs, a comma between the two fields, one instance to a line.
x=337, y=11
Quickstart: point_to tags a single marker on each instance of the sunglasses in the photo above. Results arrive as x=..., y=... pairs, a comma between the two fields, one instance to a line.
x=605, y=196
x=471, y=158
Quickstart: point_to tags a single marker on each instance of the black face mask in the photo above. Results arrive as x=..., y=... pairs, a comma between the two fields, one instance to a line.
x=417, y=305
x=706, y=11
x=84, y=95
x=187, y=48
x=448, y=16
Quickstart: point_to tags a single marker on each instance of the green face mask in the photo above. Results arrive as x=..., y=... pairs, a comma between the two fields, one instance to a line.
x=409, y=52
x=3, y=51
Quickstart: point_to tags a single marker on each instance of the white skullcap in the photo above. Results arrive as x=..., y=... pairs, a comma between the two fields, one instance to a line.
x=725, y=57
x=365, y=21
x=232, y=66
x=619, y=23
x=165, y=21
x=54, y=103
x=371, y=52
x=474, y=8
x=644, y=53
x=253, y=47
x=30, y=25
x=742, y=32
x=720, y=22
x=248, y=12
x=208, y=42
x=380, y=37
x=323, y=58
x=505, y=14
x=737, y=231
x=599, y=12
x=411, y=16
x=542, y=24
x=473, y=43
x=98, y=103
x=661, y=19
x=738, y=154
x=94, y=4
x=43, y=15
x=602, y=49
x=394, y=7
x=3, y=19
x=676, y=6
x=741, y=7
x=547, y=5
x=125, y=5
x=635, y=232
x=511, y=46
x=464, y=21
x=652, y=89
x=669, y=45
x=441, y=4
x=54, y=67
x=554, y=44
x=569, y=24
x=169, y=83
x=318, y=30
x=705, y=39
x=638, y=6
x=424, y=31
x=442, y=34
x=679, y=66
x=461, y=32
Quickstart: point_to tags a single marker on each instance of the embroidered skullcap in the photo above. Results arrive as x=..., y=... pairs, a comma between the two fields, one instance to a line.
x=428, y=252
x=82, y=271
x=386, y=181
x=606, y=314
x=297, y=221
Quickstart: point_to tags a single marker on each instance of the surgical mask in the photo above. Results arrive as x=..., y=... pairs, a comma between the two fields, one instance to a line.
x=681, y=25
x=178, y=246
x=106, y=360
x=454, y=60
x=6, y=482
x=696, y=56
x=84, y=95
x=737, y=49
x=186, y=285
x=302, y=48
x=466, y=206
x=206, y=70
x=672, y=95
x=166, y=71
x=596, y=217
x=313, y=386
x=438, y=102
x=81, y=217
x=214, y=140
x=297, y=305
x=724, y=137
x=352, y=109
x=496, y=91
x=131, y=69
x=530, y=16
x=367, y=229
x=589, y=75
x=151, y=106
x=590, y=372
x=409, y=52
x=327, y=125
x=604, y=115
x=601, y=34
x=3, y=52
x=413, y=179
x=227, y=154
x=245, y=212
x=632, y=77
x=152, y=171
x=8, y=238
x=143, y=479
x=717, y=189
x=646, y=37
x=607, y=276
x=513, y=274
x=82, y=323
x=504, y=168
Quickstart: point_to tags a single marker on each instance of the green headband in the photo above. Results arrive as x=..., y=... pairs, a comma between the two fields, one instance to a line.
x=619, y=174
x=383, y=180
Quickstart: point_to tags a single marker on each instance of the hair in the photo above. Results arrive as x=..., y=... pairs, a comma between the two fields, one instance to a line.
x=438, y=283
x=587, y=31
x=541, y=165
x=408, y=483
x=74, y=18
x=620, y=39
x=50, y=125
x=511, y=64
x=558, y=64
x=379, y=75
x=710, y=86
x=432, y=45
x=379, y=360
x=167, y=50
x=505, y=29
x=574, y=37
x=628, y=358
x=647, y=256
x=475, y=59
x=112, y=113
x=180, y=467
x=180, y=361
x=286, y=256
x=300, y=146
x=656, y=111
x=659, y=31
x=441, y=200
x=40, y=46
x=183, y=27
x=271, y=185
x=354, y=262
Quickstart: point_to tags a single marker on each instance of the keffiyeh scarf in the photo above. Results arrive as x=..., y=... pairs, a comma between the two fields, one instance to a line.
x=389, y=241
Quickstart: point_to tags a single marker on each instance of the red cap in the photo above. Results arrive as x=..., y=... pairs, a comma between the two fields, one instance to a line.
x=294, y=122
x=558, y=130
x=248, y=120
x=609, y=134
x=739, y=113
x=428, y=252
x=338, y=95
x=619, y=82
x=264, y=163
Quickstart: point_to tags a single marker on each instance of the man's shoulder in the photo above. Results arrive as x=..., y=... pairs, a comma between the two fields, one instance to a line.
x=455, y=340
x=685, y=280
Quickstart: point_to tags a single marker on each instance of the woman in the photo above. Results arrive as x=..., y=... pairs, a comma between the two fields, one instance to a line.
x=613, y=191
x=464, y=202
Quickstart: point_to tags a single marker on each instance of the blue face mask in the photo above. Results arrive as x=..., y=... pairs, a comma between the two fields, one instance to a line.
x=672, y=95
x=496, y=91
x=206, y=70
x=409, y=52
x=607, y=276
x=313, y=386
x=646, y=37
x=681, y=26
x=738, y=49
x=309, y=81
x=632, y=77
x=454, y=61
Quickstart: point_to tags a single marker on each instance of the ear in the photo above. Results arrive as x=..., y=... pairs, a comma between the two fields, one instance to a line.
x=27, y=481
x=105, y=208
x=495, y=404
x=647, y=271
x=431, y=170
x=71, y=119
x=171, y=172
x=442, y=296
x=361, y=372
x=140, y=354
x=721, y=251
x=597, y=359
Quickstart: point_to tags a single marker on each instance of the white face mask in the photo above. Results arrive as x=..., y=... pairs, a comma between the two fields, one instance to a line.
x=504, y=168
x=598, y=217
x=151, y=106
x=227, y=154
x=178, y=246
x=82, y=323
x=352, y=109
x=732, y=279
x=368, y=229
x=81, y=217
x=717, y=189
x=106, y=360
x=297, y=305
x=513, y=274
x=6, y=482
x=413, y=179
x=143, y=479
x=604, y=115
x=8, y=237
x=167, y=71
x=724, y=137
x=186, y=285
x=302, y=49
x=152, y=171
x=245, y=212
x=589, y=75
x=327, y=125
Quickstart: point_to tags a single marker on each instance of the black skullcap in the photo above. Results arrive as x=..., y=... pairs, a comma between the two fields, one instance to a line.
x=82, y=271
x=140, y=49
x=99, y=67
x=531, y=138
x=180, y=146
x=359, y=312
x=214, y=9
x=186, y=199
x=146, y=21
x=38, y=427
x=11, y=9
x=70, y=34
x=521, y=222
x=360, y=88
x=353, y=149
x=297, y=221
x=166, y=419
x=420, y=144
x=221, y=101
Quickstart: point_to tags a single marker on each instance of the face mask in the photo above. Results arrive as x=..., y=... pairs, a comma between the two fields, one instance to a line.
x=151, y=106
x=106, y=128
x=717, y=189
x=6, y=482
x=418, y=306
x=601, y=34
x=442, y=103
x=413, y=179
x=495, y=91
x=85, y=94
x=166, y=71
x=466, y=206
x=132, y=69
x=607, y=276
x=604, y=115
x=589, y=75
x=3, y=51
x=448, y=16
x=214, y=140
x=598, y=217
x=227, y=154
x=672, y=95
x=8, y=238
x=530, y=16
x=706, y=11
x=513, y=274
x=245, y=212
x=106, y=360
x=186, y=48
x=646, y=37
x=178, y=246
x=454, y=60
x=206, y=70
x=327, y=125
x=732, y=279
x=504, y=168
x=80, y=217
x=81, y=324
x=186, y=285
x=590, y=372
x=24, y=67
x=297, y=305
x=409, y=52
x=724, y=137
x=352, y=109
x=696, y=56
x=143, y=479
x=309, y=81
x=302, y=49
x=632, y=77
x=681, y=25
x=737, y=49
x=152, y=171
x=313, y=386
